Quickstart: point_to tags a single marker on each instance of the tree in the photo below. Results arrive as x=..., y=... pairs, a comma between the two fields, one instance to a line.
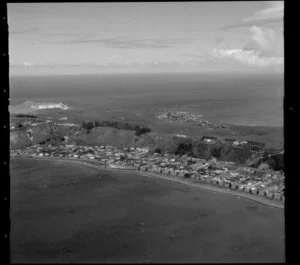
x=54, y=133
x=25, y=116
x=141, y=131
x=89, y=127
x=157, y=150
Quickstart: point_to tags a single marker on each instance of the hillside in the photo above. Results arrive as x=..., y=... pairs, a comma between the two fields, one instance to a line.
x=105, y=136
x=39, y=134
x=157, y=142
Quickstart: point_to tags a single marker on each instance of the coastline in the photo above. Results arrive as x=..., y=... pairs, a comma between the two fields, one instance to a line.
x=187, y=182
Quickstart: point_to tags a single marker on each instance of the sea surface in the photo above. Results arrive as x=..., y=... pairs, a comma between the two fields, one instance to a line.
x=66, y=213
x=240, y=99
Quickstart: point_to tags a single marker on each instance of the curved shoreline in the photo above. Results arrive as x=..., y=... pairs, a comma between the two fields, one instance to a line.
x=187, y=182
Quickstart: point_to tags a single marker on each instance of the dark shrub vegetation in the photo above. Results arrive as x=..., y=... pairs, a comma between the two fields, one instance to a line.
x=26, y=116
x=184, y=148
x=116, y=124
x=157, y=150
x=88, y=126
x=140, y=131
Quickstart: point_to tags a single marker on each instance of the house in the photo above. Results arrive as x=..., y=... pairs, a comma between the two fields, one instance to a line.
x=208, y=139
x=258, y=144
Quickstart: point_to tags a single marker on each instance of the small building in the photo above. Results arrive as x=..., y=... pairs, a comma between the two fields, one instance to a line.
x=236, y=143
x=208, y=138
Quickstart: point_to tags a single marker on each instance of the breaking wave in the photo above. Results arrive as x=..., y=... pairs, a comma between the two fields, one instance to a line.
x=40, y=106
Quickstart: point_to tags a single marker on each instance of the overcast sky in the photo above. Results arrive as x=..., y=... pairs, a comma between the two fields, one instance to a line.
x=66, y=38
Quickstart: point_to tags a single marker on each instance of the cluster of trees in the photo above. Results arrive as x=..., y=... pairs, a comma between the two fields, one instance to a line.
x=55, y=134
x=19, y=125
x=115, y=124
x=184, y=148
x=25, y=116
x=88, y=126
x=139, y=131
x=158, y=150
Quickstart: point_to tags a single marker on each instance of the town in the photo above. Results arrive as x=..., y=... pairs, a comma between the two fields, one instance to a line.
x=188, y=118
x=262, y=182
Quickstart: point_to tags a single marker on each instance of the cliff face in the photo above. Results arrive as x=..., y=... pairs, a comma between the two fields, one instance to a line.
x=222, y=151
x=39, y=134
x=19, y=139
x=197, y=148
x=111, y=136
x=23, y=137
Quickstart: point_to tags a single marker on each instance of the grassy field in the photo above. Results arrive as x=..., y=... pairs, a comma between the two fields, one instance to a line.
x=70, y=213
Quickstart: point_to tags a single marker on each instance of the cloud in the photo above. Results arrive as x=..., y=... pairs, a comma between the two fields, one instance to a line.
x=265, y=41
x=27, y=64
x=118, y=42
x=23, y=31
x=263, y=37
x=271, y=15
x=247, y=57
x=200, y=57
x=219, y=40
x=273, y=12
x=193, y=55
x=265, y=49
x=110, y=59
x=270, y=22
x=44, y=31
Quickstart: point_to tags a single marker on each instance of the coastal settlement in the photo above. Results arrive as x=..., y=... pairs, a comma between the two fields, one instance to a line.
x=263, y=182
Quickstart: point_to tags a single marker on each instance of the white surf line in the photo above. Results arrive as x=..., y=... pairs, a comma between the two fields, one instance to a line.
x=255, y=198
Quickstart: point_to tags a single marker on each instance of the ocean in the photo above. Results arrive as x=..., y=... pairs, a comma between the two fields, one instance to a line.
x=241, y=99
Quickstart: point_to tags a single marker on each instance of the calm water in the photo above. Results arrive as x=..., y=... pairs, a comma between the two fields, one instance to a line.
x=238, y=99
x=123, y=217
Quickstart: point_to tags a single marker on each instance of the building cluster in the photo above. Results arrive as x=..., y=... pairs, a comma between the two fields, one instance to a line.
x=266, y=182
x=246, y=145
x=188, y=118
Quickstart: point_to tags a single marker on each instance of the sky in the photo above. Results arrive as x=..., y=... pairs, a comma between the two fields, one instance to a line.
x=72, y=38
